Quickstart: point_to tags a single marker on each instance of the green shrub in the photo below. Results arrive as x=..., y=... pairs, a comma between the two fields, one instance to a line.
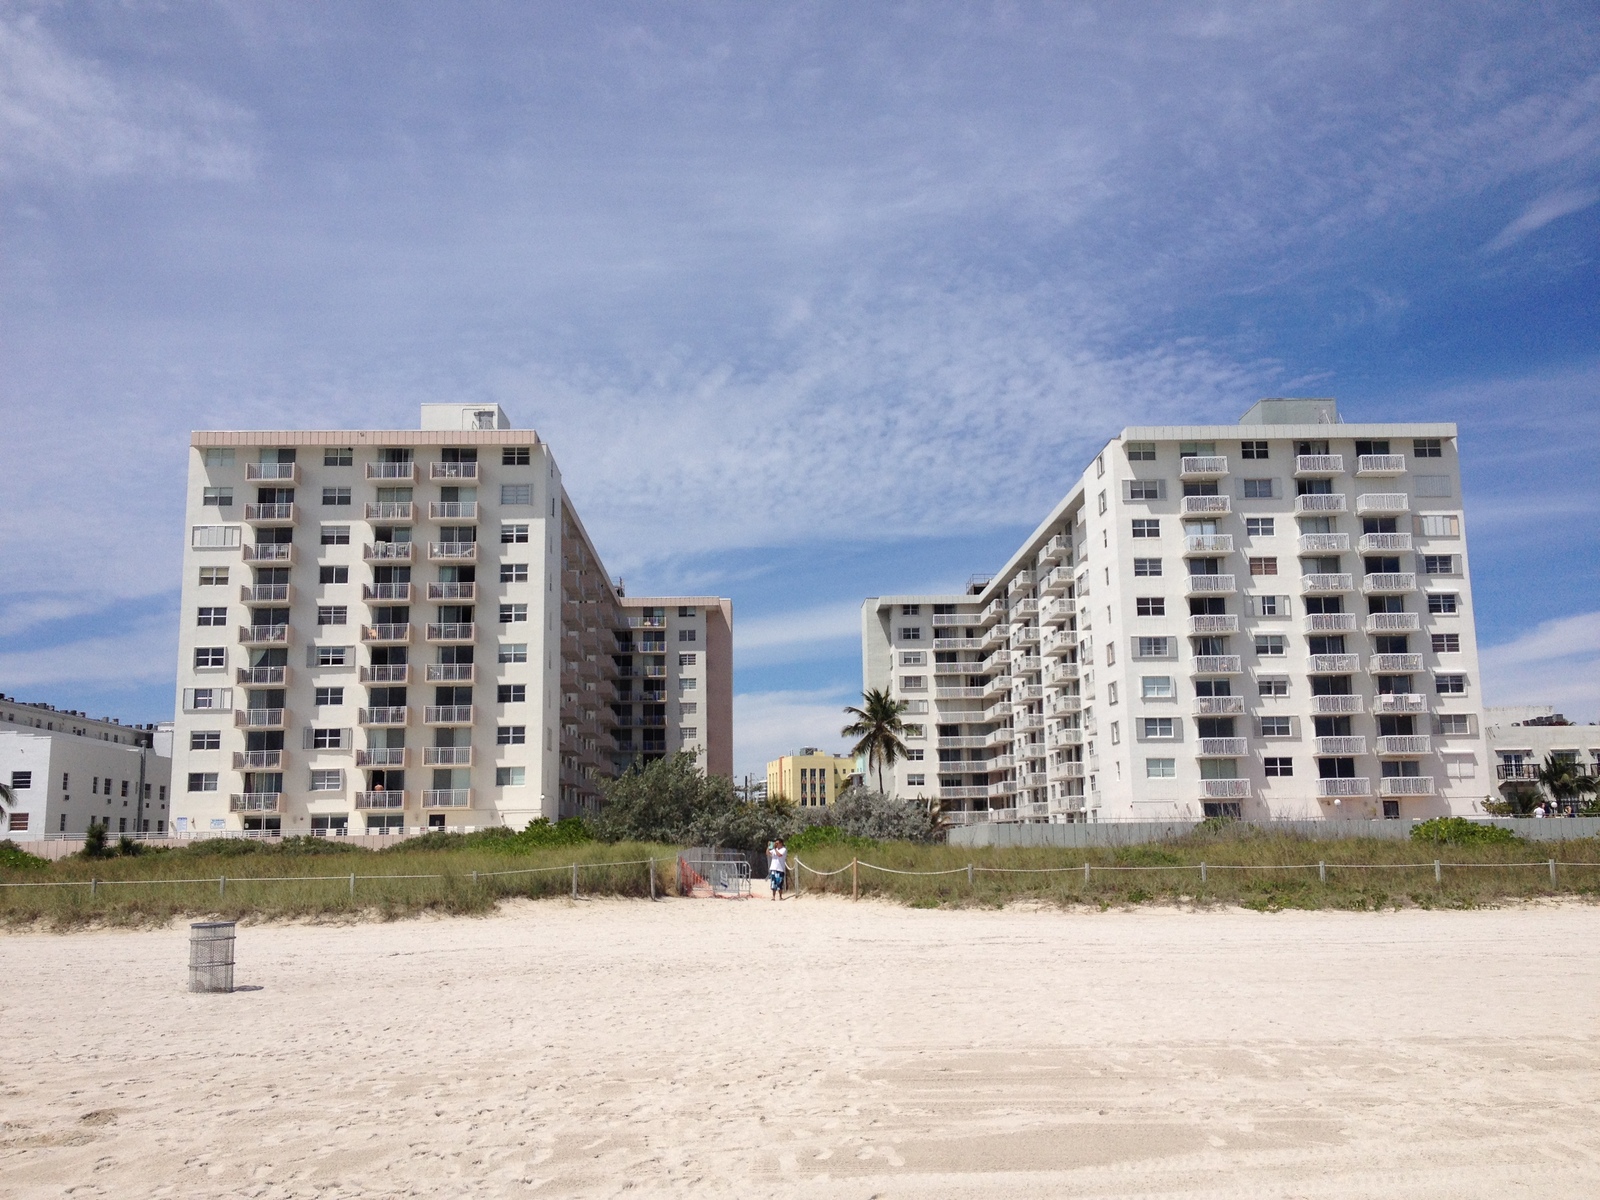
x=1458, y=831
x=14, y=858
x=94, y=842
x=828, y=835
x=540, y=833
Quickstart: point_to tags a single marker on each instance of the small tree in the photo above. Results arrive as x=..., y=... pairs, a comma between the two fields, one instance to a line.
x=663, y=801
x=1566, y=784
x=94, y=841
x=878, y=726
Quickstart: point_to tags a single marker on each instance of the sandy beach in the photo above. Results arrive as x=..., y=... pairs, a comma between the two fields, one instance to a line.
x=814, y=1048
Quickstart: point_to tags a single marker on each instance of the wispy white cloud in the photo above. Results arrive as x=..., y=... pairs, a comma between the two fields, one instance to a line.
x=144, y=652
x=1547, y=208
x=797, y=635
x=1557, y=662
x=769, y=724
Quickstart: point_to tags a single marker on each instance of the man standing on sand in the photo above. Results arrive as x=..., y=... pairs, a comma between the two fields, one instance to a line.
x=777, y=867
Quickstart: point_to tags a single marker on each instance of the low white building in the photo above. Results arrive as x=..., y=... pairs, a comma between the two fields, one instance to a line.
x=67, y=771
x=1522, y=737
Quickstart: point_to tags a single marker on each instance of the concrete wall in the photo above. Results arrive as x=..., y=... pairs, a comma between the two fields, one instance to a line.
x=1130, y=833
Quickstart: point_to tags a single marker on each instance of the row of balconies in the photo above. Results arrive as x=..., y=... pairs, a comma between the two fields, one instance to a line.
x=1308, y=543
x=404, y=552
x=1346, y=623
x=391, y=593
x=1053, y=551
x=1371, y=504
x=401, y=512
x=1389, y=703
x=444, y=633
x=385, y=756
x=290, y=472
x=1388, y=785
x=1058, y=611
x=380, y=673
x=1410, y=746
x=1316, y=583
x=1306, y=466
x=376, y=718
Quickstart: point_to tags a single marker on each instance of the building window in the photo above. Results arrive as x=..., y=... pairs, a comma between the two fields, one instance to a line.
x=510, y=613
x=221, y=497
x=1442, y=603
x=918, y=658
x=906, y=610
x=1111, y=693
x=327, y=780
x=510, y=776
x=514, y=652
x=687, y=660
x=1460, y=766
x=335, y=496
x=1158, y=727
x=328, y=695
x=1144, y=489
x=1259, y=489
x=333, y=574
x=1150, y=606
x=1160, y=768
x=511, y=693
x=332, y=614
x=916, y=780
x=214, y=537
x=200, y=739
x=1439, y=526
x=338, y=456
x=1276, y=727
x=200, y=699
x=213, y=576
x=1267, y=606
x=1253, y=450
x=511, y=735
x=327, y=739
x=1272, y=685
x=212, y=616
x=1141, y=451
x=1427, y=448
x=513, y=533
x=1260, y=526
x=1278, y=767
x=1455, y=724
x=686, y=635
x=335, y=535
x=513, y=572
x=1146, y=567
x=1447, y=643
x=516, y=493
x=1152, y=647
x=332, y=656
x=1450, y=685
x=913, y=683
x=1438, y=564
x=21, y=780
x=1102, y=503
x=1263, y=566
x=1271, y=645
x=910, y=633
x=216, y=456
x=689, y=708
x=515, y=456
x=1146, y=528
x=1156, y=687
x=202, y=781
x=210, y=658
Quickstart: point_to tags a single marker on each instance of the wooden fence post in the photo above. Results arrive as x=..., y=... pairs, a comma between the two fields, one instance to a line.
x=574, y=881
x=1552, y=872
x=969, y=874
x=353, y=881
x=855, y=889
x=1438, y=873
x=1322, y=872
x=652, y=879
x=222, y=885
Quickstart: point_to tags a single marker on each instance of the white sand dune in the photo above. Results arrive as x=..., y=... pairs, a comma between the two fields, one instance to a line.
x=814, y=1048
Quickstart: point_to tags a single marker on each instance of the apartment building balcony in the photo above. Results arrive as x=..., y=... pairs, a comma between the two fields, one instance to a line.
x=995, y=662
x=1208, y=543
x=1318, y=466
x=382, y=756
x=1388, y=583
x=1324, y=543
x=1026, y=607
x=1400, y=622
x=1057, y=739
x=652, y=671
x=1022, y=579
x=958, y=668
x=452, y=591
x=1058, y=643
x=1333, y=664
x=262, y=676
x=1214, y=623
x=386, y=593
x=455, y=470
x=452, y=510
x=1060, y=674
x=1330, y=623
x=1058, y=611
x=255, y=802
x=972, y=741
x=1517, y=772
x=1216, y=664
x=1381, y=464
x=1028, y=721
x=1383, y=543
x=382, y=718
x=1338, y=788
x=996, y=635
x=1033, y=750
x=386, y=635
x=1024, y=635
x=1407, y=746
x=380, y=800
x=278, y=553
x=949, y=620
x=1225, y=789
x=271, y=514
x=264, y=635
x=451, y=633
x=961, y=643
x=964, y=792
x=1319, y=503
x=1001, y=788
x=996, y=685
x=452, y=552
x=1027, y=693
x=1195, y=506
x=272, y=472
x=998, y=711
x=1203, y=466
x=1400, y=702
x=992, y=612
x=400, y=512
x=1000, y=762
x=1026, y=664
x=1065, y=770
x=266, y=593
x=1382, y=504
x=260, y=718
x=258, y=760
x=447, y=756
x=650, y=622
x=1394, y=664
x=1343, y=747
x=1030, y=780
x=386, y=673
x=447, y=798
x=1326, y=583
x=1225, y=747
x=1331, y=706
x=1406, y=785
x=1054, y=550
x=393, y=471
x=959, y=693
x=447, y=714
x=387, y=552
x=1218, y=706
x=1209, y=585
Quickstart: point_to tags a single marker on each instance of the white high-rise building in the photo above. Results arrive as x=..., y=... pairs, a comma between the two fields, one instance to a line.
x=403, y=629
x=1269, y=619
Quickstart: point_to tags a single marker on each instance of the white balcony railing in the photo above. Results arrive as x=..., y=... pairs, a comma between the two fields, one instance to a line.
x=452, y=551
x=1223, y=747
x=1400, y=622
x=390, y=633
x=386, y=673
x=451, y=631
x=957, y=643
x=1406, y=785
x=387, y=593
x=1310, y=466
x=1381, y=464
x=1206, y=505
x=1321, y=502
x=959, y=693
x=447, y=714
x=381, y=798
x=394, y=470
x=1388, y=582
x=447, y=756
x=1056, y=581
x=1336, y=705
x=1330, y=623
x=453, y=510
x=453, y=470
x=385, y=716
x=1333, y=664
x=1210, y=584
x=402, y=511
x=268, y=552
x=1324, y=543
x=266, y=593
x=1384, y=543
x=381, y=756
x=451, y=672
x=1399, y=702
x=1208, y=543
x=258, y=760
x=262, y=676
x=1405, y=746
x=1216, y=664
x=1225, y=789
x=259, y=718
x=1382, y=504
x=1344, y=747
x=270, y=514
x=1218, y=706
x=264, y=635
x=954, y=620
x=272, y=472
x=255, y=802
x=452, y=591
x=1344, y=787
x=1203, y=466
x=387, y=552
x=1214, y=623
x=447, y=798
x=1326, y=582
x=1394, y=664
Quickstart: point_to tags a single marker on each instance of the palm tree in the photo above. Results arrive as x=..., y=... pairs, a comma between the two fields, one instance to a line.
x=877, y=725
x=1563, y=780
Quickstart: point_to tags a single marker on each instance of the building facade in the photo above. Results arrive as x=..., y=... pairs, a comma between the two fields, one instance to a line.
x=390, y=630
x=1269, y=619
x=67, y=771
x=810, y=779
x=1522, y=738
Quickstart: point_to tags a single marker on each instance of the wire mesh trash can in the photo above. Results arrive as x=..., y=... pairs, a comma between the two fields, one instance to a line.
x=211, y=956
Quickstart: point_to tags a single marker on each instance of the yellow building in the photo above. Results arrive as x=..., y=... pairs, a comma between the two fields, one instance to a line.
x=810, y=779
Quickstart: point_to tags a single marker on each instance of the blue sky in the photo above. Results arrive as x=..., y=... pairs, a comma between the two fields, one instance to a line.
x=813, y=301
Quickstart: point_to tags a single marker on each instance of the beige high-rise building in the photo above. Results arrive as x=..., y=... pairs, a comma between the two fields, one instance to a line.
x=1269, y=619
x=404, y=629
